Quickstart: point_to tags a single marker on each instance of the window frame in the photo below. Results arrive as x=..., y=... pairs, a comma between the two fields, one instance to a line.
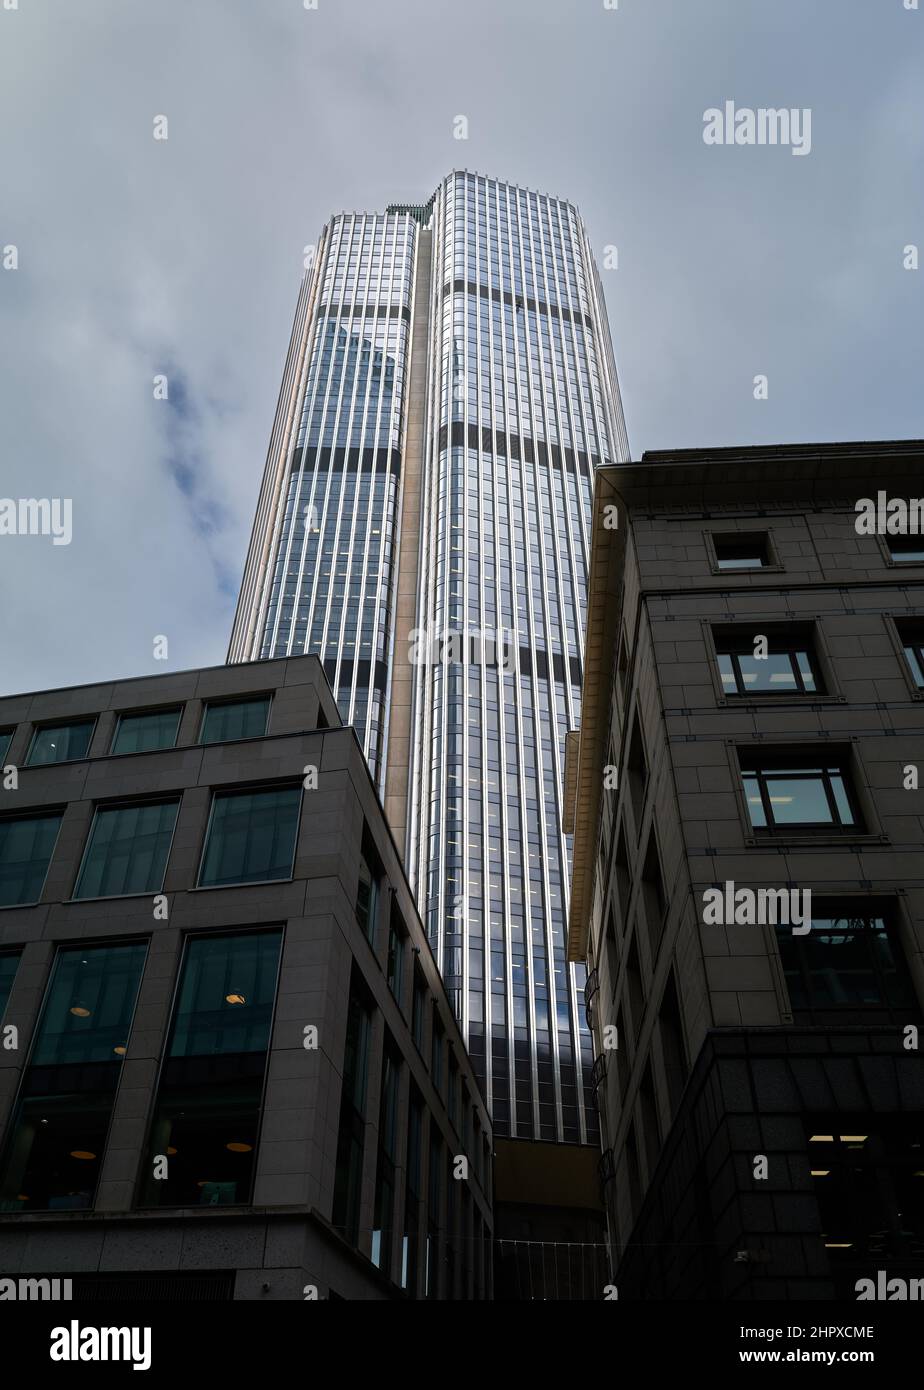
x=826, y=1015
x=92, y=720
x=140, y=713
x=245, y=790
x=208, y=705
x=773, y=565
x=125, y=803
x=735, y=647
x=780, y=758
x=40, y=813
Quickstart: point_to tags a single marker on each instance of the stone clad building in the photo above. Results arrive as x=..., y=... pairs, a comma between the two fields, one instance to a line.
x=230, y=1068
x=754, y=680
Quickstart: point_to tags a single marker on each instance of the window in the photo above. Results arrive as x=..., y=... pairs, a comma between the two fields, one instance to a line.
x=203, y=1138
x=8, y=964
x=394, y=971
x=849, y=964
x=452, y=1098
x=6, y=737
x=409, y=1243
x=419, y=1012
x=805, y=791
x=638, y=771
x=434, y=1212
x=655, y=899
x=437, y=1046
x=127, y=850
x=634, y=987
x=26, y=846
x=58, y=1130
x=912, y=640
x=60, y=743
x=251, y=837
x=143, y=732
x=670, y=1024
x=226, y=720
x=735, y=550
x=905, y=550
x=383, y=1219
x=352, y=1127
x=788, y=668
x=866, y=1175
x=367, y=892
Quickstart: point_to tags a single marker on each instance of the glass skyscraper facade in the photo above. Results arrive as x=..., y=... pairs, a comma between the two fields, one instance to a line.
x=449, y=391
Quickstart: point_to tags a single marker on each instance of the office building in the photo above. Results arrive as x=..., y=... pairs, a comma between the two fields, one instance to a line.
x=449, y=392
x=230, y=1069
x=752, y=731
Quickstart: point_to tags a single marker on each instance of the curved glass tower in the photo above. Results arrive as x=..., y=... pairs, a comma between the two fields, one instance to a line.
x=423, y=527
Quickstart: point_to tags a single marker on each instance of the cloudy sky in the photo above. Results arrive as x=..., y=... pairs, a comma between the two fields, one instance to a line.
x=138, y=257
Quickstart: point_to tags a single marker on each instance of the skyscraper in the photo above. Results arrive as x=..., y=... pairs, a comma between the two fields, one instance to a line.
x=449, y=391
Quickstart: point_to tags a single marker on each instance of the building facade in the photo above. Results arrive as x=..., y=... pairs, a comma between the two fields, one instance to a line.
x=752, y=733
x=230, y=1068
x=423, y=527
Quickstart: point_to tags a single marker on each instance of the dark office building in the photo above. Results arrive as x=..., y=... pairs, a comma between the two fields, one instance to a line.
x=752, y=731
x=229, y=1066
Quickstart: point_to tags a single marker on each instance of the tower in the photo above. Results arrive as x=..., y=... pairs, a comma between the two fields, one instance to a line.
x=423, y=526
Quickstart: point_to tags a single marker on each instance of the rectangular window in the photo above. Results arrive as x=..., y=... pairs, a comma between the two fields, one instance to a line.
x=146, y=731
x=409, y=1242
x=452, y=1098
x=6, y=737
x=912, y=640
x=801, y=791
x=8, y=964
x=352, y=1127
x=58, y=1131
x=26, y=847
x=396, y=948
x=60, y=743
x=419, y=1012
x=367, y=891
x=383, y=1217
x=251, y=837
x=906, y=550
x=437, y=1045
x=746, y=550
x=434, y=1212
x=127, y=850
x=784, y=663
x=849, y=967
x=203, y=1138
x=228, y=720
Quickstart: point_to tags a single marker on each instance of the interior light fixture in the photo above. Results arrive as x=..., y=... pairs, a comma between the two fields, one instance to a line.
x=235, y=999
x=82, y=1153
x=80, y=1011
x=822, y=1139
x=237, y=1148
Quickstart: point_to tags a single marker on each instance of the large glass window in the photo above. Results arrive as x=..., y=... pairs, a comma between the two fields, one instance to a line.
x=227, y=720
x=788, y=668
x=383, y=1220
x=203, y=1139
x=8, y=963
x=798, y=791
x=26, y=847
x=146, y=731
x=55, y=1145
x=251, y=836
x=6, y=736
x=127, y=850
x=352, y=1126
x=851, y=962
x=419, y=1011
x=60, y=743
x=906, y=550
x=434, y=1214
